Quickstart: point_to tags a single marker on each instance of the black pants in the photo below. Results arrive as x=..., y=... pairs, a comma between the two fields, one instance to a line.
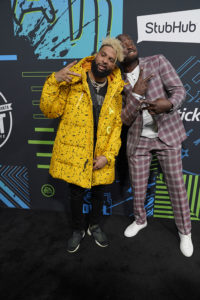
x=76, y=202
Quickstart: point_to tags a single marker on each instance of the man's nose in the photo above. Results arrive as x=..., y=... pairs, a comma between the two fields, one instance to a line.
x=105, y=60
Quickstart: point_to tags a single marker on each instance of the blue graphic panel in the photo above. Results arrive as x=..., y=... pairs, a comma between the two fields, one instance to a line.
x=14, y=187
x=107, y=203
x=8, y=57
x=110, y=206
x=65, y=29
x=189, y=73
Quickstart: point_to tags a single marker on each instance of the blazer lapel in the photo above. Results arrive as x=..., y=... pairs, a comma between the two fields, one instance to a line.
x=146, y=66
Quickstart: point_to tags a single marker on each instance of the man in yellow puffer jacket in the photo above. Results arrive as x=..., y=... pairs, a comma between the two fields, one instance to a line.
x=87, y=98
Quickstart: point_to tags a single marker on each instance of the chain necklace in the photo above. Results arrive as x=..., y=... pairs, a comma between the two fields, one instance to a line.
x=98, y=85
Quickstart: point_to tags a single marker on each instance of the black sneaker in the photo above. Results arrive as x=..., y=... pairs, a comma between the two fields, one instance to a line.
x=74, y=242
x=99, y=236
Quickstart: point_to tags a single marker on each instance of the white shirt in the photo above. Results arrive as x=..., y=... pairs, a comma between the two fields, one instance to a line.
x=149, y=128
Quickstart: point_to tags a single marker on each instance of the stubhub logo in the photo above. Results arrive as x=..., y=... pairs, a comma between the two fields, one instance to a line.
x=181, y=26
x=189, y=115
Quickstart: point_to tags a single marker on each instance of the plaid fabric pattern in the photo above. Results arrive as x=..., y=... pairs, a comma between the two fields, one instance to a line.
x=171, y=164
x=164, y=84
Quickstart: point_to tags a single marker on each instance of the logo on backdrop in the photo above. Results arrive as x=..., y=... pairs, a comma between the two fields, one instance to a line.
x=5, y=120
x=181, y=26
x=188, y=116
x=66, y=29
x=48, y=190
x=189, y=73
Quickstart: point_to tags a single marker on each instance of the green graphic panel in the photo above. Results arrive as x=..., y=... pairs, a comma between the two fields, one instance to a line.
x=162, y=203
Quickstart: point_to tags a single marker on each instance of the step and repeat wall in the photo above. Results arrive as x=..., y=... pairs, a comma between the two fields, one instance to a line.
x=42, y=36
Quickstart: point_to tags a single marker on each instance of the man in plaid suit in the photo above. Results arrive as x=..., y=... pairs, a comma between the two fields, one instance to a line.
x=152, y=96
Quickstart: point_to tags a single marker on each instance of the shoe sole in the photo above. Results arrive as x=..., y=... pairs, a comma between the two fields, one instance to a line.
x=72, y=251
x=102, y=246
x=90, y=234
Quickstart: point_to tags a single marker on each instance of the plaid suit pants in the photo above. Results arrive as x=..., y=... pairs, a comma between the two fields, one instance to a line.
x=171, y=163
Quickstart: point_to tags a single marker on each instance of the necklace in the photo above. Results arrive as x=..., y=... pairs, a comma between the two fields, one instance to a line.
x=97, y=85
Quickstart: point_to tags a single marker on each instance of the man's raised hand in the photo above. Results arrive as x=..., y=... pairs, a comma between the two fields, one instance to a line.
x=65, y=74
x=142, y=84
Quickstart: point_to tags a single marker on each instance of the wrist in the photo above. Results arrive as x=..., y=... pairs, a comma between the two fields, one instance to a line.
x=171, y=108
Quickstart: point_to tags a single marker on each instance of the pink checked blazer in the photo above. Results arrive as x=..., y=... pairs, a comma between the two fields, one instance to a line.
x=165, y=83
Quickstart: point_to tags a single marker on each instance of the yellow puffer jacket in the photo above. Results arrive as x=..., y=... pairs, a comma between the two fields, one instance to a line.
x=72, y=157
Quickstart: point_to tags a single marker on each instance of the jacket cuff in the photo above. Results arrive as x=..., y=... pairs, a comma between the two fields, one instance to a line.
x=110, y=157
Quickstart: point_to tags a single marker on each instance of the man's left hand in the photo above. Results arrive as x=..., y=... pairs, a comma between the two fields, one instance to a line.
x=99, y=162
x=158, y=106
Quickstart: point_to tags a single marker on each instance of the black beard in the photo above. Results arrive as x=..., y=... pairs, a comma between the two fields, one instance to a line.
x=128, y=60
x=97, y=73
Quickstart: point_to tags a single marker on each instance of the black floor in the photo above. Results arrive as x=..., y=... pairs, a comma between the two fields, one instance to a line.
x=34, y=263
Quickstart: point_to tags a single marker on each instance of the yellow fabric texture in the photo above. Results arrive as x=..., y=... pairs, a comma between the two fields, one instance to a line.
x=72, y=157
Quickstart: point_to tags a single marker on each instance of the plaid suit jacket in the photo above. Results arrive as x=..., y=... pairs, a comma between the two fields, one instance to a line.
x=166, y=84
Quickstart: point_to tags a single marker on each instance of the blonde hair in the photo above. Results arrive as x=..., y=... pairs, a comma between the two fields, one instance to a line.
x=116, y=45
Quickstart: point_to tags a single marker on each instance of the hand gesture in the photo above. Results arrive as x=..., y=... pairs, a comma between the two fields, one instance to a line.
x=142, y=84
x=158, y=106
x=99, y=162
x=64, y=74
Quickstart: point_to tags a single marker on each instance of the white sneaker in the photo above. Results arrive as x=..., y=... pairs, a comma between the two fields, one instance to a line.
x=186, y=245
x=134, y=228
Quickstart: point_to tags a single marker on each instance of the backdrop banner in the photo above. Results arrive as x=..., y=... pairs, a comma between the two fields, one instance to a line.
x=39, y=37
